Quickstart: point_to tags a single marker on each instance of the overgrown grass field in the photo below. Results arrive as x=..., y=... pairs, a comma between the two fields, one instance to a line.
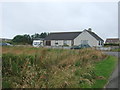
x=28, y=67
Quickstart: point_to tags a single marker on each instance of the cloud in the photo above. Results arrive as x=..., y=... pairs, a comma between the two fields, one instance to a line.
x=21, y=18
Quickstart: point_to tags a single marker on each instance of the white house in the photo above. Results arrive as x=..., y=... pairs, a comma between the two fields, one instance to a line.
x=73, y=38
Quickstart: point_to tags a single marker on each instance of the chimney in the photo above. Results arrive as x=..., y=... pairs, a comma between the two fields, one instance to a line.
x=89, y=29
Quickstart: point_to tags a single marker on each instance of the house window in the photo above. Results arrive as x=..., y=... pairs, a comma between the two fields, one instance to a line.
x=99, y=43
x=36, y=43
x=56, y=42
x=65, y=42
x=84, y=41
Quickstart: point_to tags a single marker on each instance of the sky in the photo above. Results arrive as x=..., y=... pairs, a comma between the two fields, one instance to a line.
x=20, y=18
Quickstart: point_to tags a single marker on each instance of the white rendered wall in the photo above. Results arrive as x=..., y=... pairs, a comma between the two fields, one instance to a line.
x=60, y=42
x=86, y=36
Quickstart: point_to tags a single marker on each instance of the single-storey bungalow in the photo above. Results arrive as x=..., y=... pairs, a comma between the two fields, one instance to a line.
x=73, y=38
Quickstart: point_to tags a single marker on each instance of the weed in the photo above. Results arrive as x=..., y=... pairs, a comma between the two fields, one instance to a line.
x=28, y=67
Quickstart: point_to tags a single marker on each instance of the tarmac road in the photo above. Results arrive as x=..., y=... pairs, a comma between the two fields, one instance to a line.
x=114, y=81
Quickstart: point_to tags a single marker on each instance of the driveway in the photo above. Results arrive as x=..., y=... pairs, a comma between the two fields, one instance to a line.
x=113, y=81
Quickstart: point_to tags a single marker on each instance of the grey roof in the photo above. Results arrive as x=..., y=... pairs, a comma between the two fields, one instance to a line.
x=95, y=35
x=69, y=35
x=62, y=36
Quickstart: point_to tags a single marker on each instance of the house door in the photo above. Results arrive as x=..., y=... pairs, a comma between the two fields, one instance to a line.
x=72, y=42
x=48, y=43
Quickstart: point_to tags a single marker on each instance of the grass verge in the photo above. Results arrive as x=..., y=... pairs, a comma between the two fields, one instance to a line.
x=116, y=50
x=103, y=70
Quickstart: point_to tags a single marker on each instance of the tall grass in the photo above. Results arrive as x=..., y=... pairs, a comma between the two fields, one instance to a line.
x=28, y=67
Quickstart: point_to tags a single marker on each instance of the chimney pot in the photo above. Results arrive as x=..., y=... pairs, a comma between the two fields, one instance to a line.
x=89, y=29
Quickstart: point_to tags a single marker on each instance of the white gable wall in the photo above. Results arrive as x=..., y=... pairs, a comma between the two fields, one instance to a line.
x=86, y=36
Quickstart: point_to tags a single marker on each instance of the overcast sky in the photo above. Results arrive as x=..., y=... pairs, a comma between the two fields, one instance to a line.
x=30, y=17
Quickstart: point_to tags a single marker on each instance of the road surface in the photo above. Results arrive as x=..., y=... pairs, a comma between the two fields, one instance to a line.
x=113, y=81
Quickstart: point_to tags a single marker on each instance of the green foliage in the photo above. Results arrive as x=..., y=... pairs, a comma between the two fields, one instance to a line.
x=53, y=68
x=116, y=50
x=78, y=63
x=103, y=70
x=22, y=39
x=6, y=84
x=27, y=39
x=111, y=44
x=42, y=35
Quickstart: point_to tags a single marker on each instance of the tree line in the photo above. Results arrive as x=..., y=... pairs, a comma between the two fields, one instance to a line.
x=28, y=39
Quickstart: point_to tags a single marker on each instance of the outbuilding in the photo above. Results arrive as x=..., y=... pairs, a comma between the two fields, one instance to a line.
x=38, y=42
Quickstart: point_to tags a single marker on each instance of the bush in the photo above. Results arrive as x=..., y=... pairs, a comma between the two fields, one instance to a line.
x=111, y=44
